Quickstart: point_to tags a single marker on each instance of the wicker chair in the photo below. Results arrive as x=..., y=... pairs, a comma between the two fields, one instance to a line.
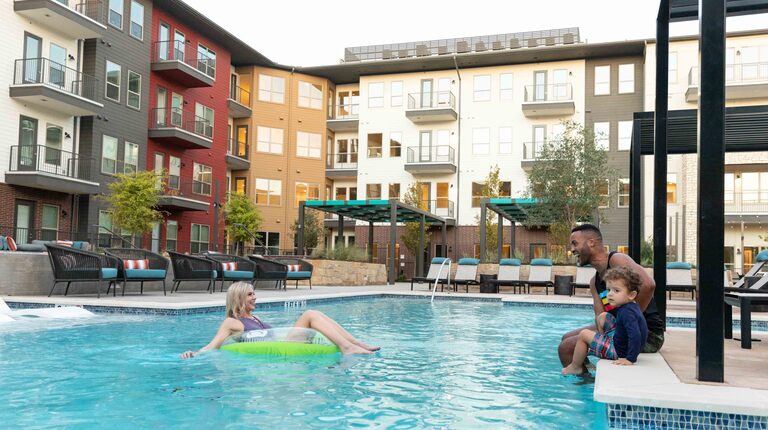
x=156, y=271
x=298, y=269
x=192, y=268
x=270, y=270
x=245, y=268
x=73, y=265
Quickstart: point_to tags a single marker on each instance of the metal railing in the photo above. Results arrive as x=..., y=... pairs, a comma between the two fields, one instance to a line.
x=432, y=100
x=191, y=189
x=238, y=148
x=240, y=95
x=752, y=202
x=40, y=158
x=736, y=73
x=343, y=160
x=441, y=207
x=548, y=93
x=93, y=9
x=347, y=111
x=28, y=71
x=431, y=154
x=176, y=50
x=178, y=118
x=532, y=150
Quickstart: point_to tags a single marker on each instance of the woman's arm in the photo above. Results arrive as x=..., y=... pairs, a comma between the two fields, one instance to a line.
x=228, y=327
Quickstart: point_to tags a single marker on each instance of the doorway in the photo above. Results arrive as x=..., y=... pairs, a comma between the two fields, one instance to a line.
x=24, y=214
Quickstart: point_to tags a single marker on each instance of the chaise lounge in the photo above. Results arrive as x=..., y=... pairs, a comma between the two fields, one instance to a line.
x=434, y=272
x=466, y=273
x=509, y=275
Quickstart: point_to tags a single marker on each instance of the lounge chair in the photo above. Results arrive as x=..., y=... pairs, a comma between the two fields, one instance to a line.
x=751, y=299
x=466, y=273
x=270, y=270
x=297, y=269
x=679, y=278
x=192, y=268
x=232, y=268
x=540, y=274
x=73, y=265
x=509, y=275
x=760, y=260
x=434, y=272
x=584, y=275
x=139, y=265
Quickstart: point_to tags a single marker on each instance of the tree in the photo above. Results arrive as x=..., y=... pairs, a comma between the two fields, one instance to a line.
x=410, y=237
x=314, y=231
x=239, y=212
x=133, y=202
x=491, y=189
x=570, y=179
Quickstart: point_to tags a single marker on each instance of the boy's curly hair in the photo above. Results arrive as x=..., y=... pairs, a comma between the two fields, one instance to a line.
x=630, y=278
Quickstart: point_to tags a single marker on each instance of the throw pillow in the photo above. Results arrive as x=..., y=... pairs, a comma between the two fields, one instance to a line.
x=294, y=267
x=136, y=264
x=2, y=243
x=67, y=243
x=10, y=243
x=228, y=267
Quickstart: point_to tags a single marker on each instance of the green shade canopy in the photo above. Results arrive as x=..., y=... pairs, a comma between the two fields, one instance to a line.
x=511, y=209
x=374, y=210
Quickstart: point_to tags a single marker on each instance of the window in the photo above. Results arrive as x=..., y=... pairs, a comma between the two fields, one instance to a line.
x=269, y=140
x=624, y=249
x=206, y=60
x=305, y=191
x=376, y=95
x=271, y=241
x=624, y=192
x=108, y=155
x=505, y=87
x=341, y=193
x=269, y=192
x=505, y=140
x=202, y=179
x=352, y=193
x=50, y=223
x=395, y=144
x=625, y=135
x=105, y=226
x=174, y=172
x=754, y=187
x=53, y=136
x=396, y=93
x=602, y=80
x=604, y=194
x=477, y=193
x=241, y=185
x=116, y=13
x=481, y=141
x=131, y=158
x=271, y=89
x=672, y=67
x=374, y=145
x=505, y=190
x=394, y=191
x=308, y=144
x=204, y=120
x=134, y=90
x=310, y=95
x=602, y=135
x=113, y=81
x=538, y=250
x=626, y=78
x=171, y=235
x=482, y=88
x=671, y=188
x=137, y=20
x=198, y=238
x=373, y=191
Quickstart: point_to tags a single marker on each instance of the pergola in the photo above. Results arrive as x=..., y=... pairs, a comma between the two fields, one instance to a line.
x=382, y=211
x=712, y=117
x=514, y=210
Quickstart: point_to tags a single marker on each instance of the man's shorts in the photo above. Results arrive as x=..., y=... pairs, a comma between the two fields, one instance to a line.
x=654, y=342
x=602, y=344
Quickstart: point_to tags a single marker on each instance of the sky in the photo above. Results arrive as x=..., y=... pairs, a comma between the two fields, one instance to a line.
x=314, y=33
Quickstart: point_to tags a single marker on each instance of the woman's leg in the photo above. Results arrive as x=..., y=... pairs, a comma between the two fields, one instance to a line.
x=580, y=353
x=345, y=333
x=330, y=329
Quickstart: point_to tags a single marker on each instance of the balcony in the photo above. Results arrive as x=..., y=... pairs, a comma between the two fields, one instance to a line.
x=532, y=153
x=55, y=87
x=441, y=207
x=431, y=160
x=183, y=129
x=436, y=106
x=345, y=118
x=237, y=155
x=83, y=20
x=342, y=165
x=51, y=169
x=182, y=63
x=239, y=103
x=548, y=100
x=184, y=195
x=742, y=82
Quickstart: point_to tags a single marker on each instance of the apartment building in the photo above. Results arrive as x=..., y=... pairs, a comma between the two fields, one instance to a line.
x=746, y=177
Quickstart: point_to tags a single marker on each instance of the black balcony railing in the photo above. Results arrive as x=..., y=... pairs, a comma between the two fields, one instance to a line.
x=176, y=50
x=532, y=150
x=173, y=186
x=40, y=158
x=548, y=93
x=343, y=160
x=744, y=73
x=441, y=207
x=240, y=95
x=238, y=148
x=93, y=9
x=432, y=100
x=29, y=71
x=347, y=111
x=746, y=202
x=431, y=154
x=178, y=118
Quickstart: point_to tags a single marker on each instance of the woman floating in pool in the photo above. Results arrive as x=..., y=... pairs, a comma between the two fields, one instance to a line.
x=241, y=301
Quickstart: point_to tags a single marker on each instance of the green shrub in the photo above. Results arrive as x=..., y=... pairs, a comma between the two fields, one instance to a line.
x=342, y=253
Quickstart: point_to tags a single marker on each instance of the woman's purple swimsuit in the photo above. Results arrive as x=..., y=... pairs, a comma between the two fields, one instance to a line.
x=254, y=323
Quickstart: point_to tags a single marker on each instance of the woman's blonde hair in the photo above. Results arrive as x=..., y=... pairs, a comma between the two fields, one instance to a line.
x=237, y=295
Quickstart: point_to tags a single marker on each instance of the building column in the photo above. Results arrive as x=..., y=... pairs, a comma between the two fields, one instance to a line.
x=660, y=160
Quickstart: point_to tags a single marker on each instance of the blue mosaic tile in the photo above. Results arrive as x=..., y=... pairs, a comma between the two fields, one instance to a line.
x=647, y=417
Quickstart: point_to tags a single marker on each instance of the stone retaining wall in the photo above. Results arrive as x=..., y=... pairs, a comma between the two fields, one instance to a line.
x=347, y=273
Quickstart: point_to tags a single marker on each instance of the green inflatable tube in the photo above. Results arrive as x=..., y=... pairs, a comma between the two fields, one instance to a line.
x=281, y=349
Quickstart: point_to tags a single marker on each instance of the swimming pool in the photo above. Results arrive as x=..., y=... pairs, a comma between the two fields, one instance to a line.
x=454, y=364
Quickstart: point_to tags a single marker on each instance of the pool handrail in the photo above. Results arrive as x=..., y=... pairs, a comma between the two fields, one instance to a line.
x=437, y=279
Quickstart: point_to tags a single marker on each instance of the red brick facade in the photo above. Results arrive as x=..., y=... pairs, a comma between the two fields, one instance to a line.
x=10, y=195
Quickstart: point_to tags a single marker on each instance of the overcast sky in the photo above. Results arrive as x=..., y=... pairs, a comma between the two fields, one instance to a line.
x=313, y=33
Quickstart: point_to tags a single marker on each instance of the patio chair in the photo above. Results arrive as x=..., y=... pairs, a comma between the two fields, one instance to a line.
x=727, y=279
x=466, y=273
x=139, y=265
x=540, y=274
x=760, y=260
x=232, y=268
x=509, y=275
x=192, y=268
x=750, y=299
x=679, y=278
x=584, y=275
x=297, y=269
x=73, y=265
x=269, y=270
x=434, y=272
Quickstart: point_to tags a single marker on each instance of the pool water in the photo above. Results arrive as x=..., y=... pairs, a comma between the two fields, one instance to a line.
x=454, y=364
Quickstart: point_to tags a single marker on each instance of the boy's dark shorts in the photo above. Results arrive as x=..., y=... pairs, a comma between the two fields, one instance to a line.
x=653, y=342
